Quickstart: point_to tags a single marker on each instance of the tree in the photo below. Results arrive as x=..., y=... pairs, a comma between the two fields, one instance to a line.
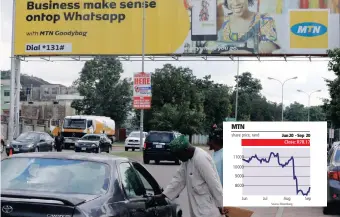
x=251, y=104
x=177, y=103
x=216, y=103
x=295, y=112
x=105, y=94
x=334, y=87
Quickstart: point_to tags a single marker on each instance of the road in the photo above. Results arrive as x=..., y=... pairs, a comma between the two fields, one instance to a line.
x=164, y=172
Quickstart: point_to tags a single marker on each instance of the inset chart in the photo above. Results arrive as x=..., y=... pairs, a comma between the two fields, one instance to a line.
x=276, y=171
x=275, y=164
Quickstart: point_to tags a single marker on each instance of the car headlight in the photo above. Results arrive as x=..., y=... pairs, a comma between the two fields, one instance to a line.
x=94, y=145
x=76, y=143
x=30, y=145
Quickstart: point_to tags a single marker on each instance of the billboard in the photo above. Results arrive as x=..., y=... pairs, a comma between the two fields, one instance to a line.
x=142, y=90
x=184, y=27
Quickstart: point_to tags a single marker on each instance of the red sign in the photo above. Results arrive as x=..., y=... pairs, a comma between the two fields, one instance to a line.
x=142, y=90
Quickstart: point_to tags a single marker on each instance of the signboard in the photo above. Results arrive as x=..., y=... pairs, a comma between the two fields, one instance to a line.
x=142, y=90
x=331, y=133
x=113, y=27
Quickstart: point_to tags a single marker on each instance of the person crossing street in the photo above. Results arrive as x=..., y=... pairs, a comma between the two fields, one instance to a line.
x=59, y=142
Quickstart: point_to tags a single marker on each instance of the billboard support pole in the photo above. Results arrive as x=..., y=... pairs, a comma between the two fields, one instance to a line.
x=13, y=126
x=141, y=127
x=237, y=79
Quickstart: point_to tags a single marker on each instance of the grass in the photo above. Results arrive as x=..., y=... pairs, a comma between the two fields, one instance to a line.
x=118, y=144
x=136, y=155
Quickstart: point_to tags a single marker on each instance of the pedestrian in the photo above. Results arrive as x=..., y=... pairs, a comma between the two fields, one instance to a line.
x=198, y=173
x=59, y=142
x=215, y=143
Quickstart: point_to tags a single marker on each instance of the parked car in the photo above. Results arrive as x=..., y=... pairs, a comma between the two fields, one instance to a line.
x=80, y=185
x=333, y=180
x=31, y=142
x=93, y=143
x=3, y=145
x=156, y=147
x=132, y=141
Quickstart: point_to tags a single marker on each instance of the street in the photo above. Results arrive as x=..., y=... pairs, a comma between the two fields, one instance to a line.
x=165, y=171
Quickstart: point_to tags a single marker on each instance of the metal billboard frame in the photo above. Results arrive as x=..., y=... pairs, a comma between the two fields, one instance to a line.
x=16, y=62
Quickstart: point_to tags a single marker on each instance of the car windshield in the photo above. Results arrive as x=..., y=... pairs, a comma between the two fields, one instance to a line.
x=91, y=138
x=75, y=123
x=136, y=134
x=28, y=136
x=160, y=137
x=54, y=176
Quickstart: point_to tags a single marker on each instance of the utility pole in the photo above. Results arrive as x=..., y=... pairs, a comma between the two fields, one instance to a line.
x=282, y=85
x=141, y=127
x=309, y=95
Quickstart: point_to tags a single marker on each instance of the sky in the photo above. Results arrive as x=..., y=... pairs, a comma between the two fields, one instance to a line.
x=310, y=74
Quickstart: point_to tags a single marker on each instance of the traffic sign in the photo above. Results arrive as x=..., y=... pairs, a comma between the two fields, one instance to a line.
x=142, y=90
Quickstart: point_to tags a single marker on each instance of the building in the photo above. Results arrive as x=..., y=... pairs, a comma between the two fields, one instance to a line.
x=5, y=96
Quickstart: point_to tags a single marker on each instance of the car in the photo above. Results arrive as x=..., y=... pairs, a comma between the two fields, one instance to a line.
x=67, y=184
x=156, y=147
x=31, y=141
x=333, y=179
x=3, y=144
x=132, y=141
x=93, y=143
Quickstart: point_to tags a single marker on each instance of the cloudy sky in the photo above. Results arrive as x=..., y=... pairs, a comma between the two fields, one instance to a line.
x=309, y=73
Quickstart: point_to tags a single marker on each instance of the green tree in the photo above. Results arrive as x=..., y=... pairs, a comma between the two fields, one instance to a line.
x=105, y=93
x=216, y=103
x=334, y=88
x=177, y=103
x=295, y=112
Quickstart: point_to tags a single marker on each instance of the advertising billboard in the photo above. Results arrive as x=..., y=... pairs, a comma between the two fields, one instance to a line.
x=184, y=27
x=142, y=90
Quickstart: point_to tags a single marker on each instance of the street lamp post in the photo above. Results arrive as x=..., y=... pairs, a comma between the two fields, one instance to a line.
x=282, y=85
x=309, y=95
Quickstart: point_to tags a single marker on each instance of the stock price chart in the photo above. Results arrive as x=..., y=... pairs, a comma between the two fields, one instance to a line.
x=275, y=164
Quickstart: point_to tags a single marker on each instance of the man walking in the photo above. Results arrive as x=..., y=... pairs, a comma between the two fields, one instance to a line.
x=216, y=144
x=59, y=142
x=198, y=173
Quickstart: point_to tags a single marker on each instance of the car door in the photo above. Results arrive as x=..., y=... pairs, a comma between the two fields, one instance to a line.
x=133, y=190
x=165, y=208
x=42, y=142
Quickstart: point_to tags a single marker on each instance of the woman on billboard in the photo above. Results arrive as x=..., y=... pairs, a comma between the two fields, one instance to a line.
x=243, y=31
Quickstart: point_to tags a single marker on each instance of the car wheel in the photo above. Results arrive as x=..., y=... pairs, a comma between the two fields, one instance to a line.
x=126, y=149
x=109, y=149
x=36, y=149
x=146, y=160
x=327, y=210
x=133, y=149
x=99, y=150
x=156, y=161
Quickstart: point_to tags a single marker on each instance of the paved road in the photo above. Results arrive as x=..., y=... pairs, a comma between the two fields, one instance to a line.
x=164, y=172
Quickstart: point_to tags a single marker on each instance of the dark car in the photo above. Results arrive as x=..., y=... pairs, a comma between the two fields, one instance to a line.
x=65, y=184
x=31, y=142
x=333, y=180
x=156, y=147
x=93, y=143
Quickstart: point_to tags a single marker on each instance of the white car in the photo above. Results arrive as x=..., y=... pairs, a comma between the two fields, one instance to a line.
x=132, y=141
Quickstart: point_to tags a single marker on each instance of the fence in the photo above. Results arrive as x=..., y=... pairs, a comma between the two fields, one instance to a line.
x=26, y=125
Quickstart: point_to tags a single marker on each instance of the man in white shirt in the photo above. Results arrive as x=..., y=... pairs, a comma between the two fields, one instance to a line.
x=198, y=173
